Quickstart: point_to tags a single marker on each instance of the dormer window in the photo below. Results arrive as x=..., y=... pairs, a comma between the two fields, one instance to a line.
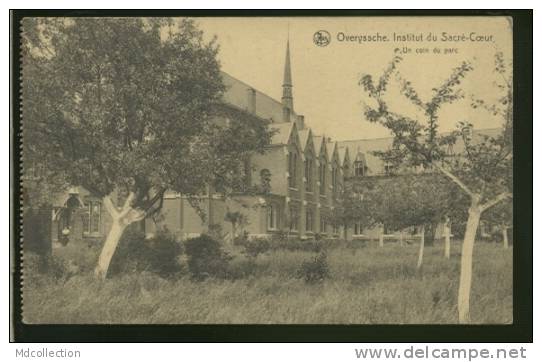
x=292, y=169
x=389, y=169
x=323, y=166
x=308, y=174
x=359, y=168
x=334, y=178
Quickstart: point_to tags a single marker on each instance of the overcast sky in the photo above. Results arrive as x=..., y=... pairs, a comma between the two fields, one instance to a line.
x=326, y=78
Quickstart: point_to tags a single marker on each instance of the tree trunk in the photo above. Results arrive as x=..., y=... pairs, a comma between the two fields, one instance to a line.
x=110, y=245
x=447, y=233
x=381, y=237
x=465, y=279
x=401, y=238
x=121, y=220
x=422, y=245
x=505, y=237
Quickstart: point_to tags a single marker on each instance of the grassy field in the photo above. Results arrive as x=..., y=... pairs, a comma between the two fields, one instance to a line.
x=367, y=285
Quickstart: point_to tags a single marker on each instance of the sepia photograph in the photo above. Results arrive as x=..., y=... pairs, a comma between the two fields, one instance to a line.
x=267, y=170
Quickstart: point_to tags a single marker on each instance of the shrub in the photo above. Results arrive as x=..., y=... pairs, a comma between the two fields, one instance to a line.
x=315, y=270
x=299, y=245
x=206, y=258
x=158, y=254
x=216, y=232
x=280, y=236
x=256, y=246
x=36, y=268
x=163, y=251
x=241, y=239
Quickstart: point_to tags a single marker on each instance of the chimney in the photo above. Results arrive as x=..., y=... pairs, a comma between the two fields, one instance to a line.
x=251, y=100
x=300, y=122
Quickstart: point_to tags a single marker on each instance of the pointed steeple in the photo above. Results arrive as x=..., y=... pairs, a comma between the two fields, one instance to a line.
x=287, y=96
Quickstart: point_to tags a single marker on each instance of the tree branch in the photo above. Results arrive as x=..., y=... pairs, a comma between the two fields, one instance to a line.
x=127, y=205
x=454, y=179
x=110, y=207
x=495, y=201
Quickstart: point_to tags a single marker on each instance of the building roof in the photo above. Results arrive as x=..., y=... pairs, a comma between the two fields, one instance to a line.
x=332, y=147
x=304, y=137
x=266, y=107
x=318, y=143
x=376, y=165
x=343, y=152
x=282, y=134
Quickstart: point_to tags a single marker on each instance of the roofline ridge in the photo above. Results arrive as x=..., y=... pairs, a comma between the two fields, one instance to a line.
x=383, y=138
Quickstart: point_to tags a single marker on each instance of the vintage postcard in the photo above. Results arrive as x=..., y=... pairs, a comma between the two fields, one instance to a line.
x=267, y=170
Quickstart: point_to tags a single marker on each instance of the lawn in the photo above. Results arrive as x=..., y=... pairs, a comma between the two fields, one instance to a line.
x=367, y=285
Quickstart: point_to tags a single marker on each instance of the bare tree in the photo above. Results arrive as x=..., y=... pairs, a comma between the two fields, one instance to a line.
x=483, y=171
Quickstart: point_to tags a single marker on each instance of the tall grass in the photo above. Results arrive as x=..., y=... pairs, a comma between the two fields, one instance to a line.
x=366, y=286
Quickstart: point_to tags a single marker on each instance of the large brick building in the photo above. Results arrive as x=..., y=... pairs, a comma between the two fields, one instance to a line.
x=307, y=172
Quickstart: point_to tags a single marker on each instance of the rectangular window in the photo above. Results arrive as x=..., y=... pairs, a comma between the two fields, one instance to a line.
x=358, y=228
x=272, y=217
x=322, y=178
x=309, y=220
x=323, y=225
x=335, y=180
x=308, y=175
x=292, y=169
x=389, y=169
x=294, y=218
x=92, y=217
x=359, y=168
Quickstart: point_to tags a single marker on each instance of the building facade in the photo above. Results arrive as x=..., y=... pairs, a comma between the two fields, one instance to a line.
x=306, y=172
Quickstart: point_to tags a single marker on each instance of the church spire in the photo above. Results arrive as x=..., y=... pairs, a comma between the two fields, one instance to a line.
x=287, y=97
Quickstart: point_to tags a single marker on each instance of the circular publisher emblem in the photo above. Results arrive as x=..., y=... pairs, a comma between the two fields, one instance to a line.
x=321, y=38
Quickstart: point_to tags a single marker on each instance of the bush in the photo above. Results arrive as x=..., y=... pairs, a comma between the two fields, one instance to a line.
x=158, y=254
x=38, y=267
x=315, y=270
x=256, y=246
x=241, y=239
x=299, y=245
x=206, y=258
x=279, y=236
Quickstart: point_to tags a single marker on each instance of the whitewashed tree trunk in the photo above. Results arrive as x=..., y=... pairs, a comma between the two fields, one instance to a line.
x=121, y=220
x=422, y=246
x=447, y=233
x=465, y=278
x=475, y=211
x=110, y=245
x=381, y=237
x=505, y=237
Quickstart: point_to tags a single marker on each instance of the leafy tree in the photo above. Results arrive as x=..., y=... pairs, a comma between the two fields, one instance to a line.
x=129, y=108
x=483, y=172
x=351, y=207
x=235, y=218
x=407, y=200
x=501, y=216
